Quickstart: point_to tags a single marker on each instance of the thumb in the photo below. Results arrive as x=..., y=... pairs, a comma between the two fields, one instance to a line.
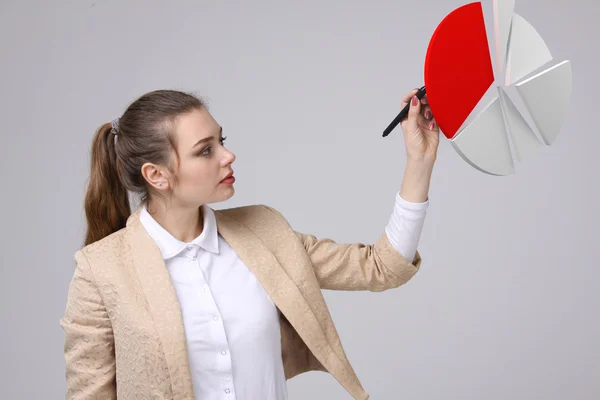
x=413, y=114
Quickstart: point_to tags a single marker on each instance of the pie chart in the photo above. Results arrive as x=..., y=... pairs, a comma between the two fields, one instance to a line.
x=459, y=72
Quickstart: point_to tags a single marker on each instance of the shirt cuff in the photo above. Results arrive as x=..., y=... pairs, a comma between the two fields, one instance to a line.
x=409, y=205
x=405, y=226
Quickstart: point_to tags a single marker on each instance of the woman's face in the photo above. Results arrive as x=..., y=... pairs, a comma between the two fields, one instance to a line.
x=203, y=161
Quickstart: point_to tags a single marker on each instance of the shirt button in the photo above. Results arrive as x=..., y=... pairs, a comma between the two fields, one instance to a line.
x=227, y=391
x=216, y=318
x=224, y=352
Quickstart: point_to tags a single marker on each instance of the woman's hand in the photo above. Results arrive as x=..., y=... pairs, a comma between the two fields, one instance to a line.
x=421, y=133
x=421, y=137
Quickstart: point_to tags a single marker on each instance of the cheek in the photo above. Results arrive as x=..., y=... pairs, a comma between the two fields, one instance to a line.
x=195, y=173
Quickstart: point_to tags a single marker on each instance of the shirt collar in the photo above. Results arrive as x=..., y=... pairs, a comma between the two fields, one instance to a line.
x=170, y=246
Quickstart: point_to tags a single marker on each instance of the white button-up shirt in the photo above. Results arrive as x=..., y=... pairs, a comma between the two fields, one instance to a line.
x=231, y=324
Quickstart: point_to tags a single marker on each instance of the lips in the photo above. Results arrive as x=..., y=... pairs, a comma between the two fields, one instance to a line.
x=228, y=176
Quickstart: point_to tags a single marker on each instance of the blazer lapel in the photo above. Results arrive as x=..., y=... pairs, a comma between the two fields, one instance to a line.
x=163, y=304
x=285, y=294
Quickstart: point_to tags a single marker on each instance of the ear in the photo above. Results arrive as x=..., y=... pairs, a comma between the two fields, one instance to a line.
x=155, y=175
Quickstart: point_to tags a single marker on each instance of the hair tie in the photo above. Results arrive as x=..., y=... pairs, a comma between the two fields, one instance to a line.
x=115, y=126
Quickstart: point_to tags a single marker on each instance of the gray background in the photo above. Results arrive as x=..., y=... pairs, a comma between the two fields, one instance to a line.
x=506, y=304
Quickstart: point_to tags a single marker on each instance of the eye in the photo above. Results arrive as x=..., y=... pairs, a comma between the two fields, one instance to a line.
x=208, y=150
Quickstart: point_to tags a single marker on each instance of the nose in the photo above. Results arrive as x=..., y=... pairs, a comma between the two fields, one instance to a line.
x=229, y=158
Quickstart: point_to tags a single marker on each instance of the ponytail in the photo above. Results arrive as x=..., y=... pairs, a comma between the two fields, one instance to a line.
x=106, y=200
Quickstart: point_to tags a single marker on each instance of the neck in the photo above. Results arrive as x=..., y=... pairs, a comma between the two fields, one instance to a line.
x=185, y=224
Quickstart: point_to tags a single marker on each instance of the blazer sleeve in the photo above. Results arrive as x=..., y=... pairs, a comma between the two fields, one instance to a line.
x=357, y=266
x=89, y=343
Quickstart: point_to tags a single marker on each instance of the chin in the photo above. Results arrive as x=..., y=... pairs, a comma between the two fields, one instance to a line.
x=230, y=193
x=224, y=195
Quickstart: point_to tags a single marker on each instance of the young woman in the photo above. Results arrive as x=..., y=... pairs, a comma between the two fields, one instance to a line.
x=180, y=301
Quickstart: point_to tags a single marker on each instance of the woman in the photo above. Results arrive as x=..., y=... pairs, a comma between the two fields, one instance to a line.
x=180, y=301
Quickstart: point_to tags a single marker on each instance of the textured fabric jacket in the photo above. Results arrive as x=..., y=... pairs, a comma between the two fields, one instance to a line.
x=124, y=335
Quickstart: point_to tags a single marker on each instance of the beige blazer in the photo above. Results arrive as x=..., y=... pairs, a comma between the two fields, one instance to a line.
x=124, y=335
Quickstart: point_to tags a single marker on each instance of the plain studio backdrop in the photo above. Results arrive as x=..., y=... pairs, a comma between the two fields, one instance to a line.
x=506, y=304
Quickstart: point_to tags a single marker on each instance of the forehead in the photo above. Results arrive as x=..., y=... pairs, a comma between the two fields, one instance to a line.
x=196, y=125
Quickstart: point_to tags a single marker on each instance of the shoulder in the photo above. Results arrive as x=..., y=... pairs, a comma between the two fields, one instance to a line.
x=255, y=213
x=251, y=210
x=109, y=246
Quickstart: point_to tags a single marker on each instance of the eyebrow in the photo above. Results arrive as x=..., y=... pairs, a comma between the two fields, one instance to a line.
x=208, y=138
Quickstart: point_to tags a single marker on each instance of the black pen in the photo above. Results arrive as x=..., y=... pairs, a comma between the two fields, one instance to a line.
x=403, y=113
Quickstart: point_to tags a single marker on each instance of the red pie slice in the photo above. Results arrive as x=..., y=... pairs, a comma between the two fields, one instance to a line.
x=458, y=67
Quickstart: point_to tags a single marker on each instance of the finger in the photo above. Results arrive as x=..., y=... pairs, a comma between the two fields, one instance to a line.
x=414, y=113
x=406, y=98
x=424, y=100
x=432, y=125
x=427, y=123
x=424, y=122
x=426, y=111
